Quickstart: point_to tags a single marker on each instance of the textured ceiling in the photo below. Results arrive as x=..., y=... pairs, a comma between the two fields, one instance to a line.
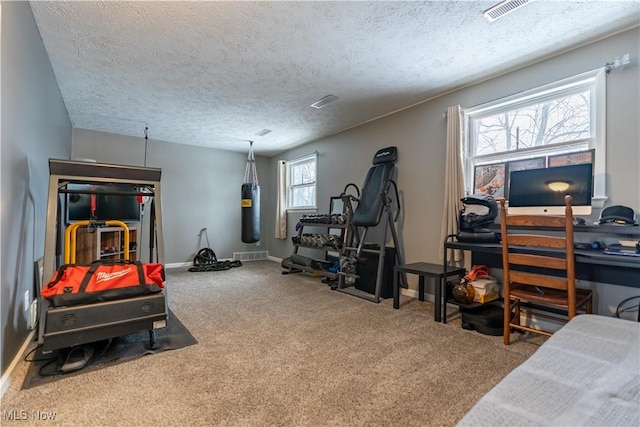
x=216, y=73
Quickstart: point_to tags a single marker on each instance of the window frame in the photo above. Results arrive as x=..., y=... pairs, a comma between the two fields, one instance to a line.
x=290, y=164
x=594, y=80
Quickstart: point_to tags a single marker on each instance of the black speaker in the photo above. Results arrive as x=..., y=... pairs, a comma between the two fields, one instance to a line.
x=368, y=272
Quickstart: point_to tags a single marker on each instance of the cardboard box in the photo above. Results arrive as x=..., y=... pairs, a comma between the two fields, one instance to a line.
x=486, y=289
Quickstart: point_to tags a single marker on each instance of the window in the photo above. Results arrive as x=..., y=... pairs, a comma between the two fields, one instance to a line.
x=560, y=118
x=301, y=183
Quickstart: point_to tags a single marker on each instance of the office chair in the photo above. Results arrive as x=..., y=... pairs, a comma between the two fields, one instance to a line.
x=539, y=269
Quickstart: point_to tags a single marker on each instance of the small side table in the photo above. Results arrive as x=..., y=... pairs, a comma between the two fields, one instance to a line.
x=424, y=269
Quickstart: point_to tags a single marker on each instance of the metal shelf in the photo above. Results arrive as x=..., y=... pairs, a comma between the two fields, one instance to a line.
x=320, y=248
x=318, y=224
x=324, y=273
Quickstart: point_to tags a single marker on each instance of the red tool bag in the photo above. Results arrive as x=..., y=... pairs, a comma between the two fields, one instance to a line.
x=103, y=281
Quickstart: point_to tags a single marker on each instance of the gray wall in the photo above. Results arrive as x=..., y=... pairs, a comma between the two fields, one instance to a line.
x=35, y=127
x=420, y=132
x=200, y=188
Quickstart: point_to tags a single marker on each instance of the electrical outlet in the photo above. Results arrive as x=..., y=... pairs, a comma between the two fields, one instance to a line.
x=27, y=301
x=34, y=314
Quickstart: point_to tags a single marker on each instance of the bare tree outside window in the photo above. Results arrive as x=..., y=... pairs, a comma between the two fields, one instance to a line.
x=303, y=196
x=559, y=120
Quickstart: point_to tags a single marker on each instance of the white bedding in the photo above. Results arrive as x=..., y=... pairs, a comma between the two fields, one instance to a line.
x=586, y=374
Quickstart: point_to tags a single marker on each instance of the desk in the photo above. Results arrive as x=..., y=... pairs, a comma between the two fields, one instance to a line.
x=423, y=269
x=591, y=264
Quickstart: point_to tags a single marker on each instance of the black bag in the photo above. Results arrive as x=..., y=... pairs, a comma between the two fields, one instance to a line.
x=488, y=319
x=481, y=235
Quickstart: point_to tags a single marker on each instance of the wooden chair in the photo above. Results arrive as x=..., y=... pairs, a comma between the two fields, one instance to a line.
x=521, y=249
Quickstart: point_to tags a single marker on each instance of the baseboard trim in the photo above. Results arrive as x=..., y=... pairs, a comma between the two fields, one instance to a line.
x=5, y=381
x=178, y=265
x=274, y=259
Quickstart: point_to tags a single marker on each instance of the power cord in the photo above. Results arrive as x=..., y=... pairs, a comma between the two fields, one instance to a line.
x=32, y=351
x=42, y=371
x=49, y=360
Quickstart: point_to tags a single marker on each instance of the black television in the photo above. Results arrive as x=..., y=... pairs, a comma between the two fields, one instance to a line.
x=125, y=208
x=542, y=191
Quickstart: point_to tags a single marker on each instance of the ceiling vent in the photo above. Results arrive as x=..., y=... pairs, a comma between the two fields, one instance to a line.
x=263, y=132
x=324, y=101
x=503, y=8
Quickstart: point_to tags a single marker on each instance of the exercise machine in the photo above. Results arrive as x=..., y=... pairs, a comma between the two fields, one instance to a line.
x=71, y=326
x=373, y=205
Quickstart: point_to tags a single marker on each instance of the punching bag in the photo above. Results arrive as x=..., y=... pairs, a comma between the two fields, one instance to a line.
x=250, y=201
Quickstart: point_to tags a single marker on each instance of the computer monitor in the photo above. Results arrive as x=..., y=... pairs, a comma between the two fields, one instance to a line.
x=541, y=191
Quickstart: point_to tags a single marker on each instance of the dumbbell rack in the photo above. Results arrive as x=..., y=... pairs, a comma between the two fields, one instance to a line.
x=324, y=242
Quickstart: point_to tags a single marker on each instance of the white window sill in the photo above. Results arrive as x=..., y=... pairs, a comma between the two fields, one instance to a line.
x=302, y=210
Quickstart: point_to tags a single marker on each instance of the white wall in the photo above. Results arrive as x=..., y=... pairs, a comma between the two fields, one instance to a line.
x=35, y=127
x=419, y=133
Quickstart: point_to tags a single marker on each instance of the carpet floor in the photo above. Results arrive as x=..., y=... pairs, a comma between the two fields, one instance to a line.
x=279, y=349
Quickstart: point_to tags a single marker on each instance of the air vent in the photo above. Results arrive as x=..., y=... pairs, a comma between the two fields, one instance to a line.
x=263, y=132
x=250, y=256
x=503, y=8
x=147, y=307
x=69, y=319
x=324, y=101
